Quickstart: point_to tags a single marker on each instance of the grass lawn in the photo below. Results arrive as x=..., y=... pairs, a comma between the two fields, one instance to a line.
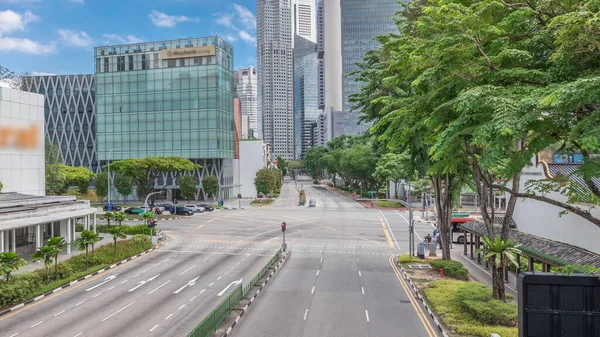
x=385, y=203
x=263, y=202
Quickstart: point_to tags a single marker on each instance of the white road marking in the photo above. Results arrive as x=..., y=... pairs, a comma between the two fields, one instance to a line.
x=79, y=334
x=110, y=288
x=211, y=284
x=124, y=281
x=80, y=303
x=321, y=259
x=367, y=314
x=305, y=314
x=14, y=335
x=318, y=272
x=156, y=326
x=390, y=228
x=118, y=311
x=181, y=307
x=219, y=278
x=166, y=260
x=189, y=284
x=160, y=286
x=169, y=316
x=207, y=258
x=108, y=279
x=134, y=276
x=359, y=274
x=58, y=313
x=98, y=294
x=185, y=271
x=193, y=298
x=313, y=290
x=142, y=282
x=36, y=324
x=362, y=290
x=203, y=290
x=230, y=284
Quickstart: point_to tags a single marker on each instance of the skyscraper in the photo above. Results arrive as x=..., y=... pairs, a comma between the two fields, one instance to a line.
x=245, y=86
x=303, y=12
x=362, y=21
x=306, y=93
x=276, y=75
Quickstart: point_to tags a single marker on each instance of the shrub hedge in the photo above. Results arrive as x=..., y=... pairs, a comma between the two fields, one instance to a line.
x=27, y=285
x=451, y=268
x=127, y=229
x=462, y=316
x=405, y=258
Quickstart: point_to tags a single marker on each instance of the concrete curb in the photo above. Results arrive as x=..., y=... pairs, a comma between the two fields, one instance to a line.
x=19, y=306
x=422, y=299
x=243, y=310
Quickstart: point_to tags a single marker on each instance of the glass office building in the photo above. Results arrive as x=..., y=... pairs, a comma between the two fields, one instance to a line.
x=167, y=98
x=362, y=21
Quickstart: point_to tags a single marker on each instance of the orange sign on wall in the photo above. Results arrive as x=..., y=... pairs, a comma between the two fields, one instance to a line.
x=19, y=137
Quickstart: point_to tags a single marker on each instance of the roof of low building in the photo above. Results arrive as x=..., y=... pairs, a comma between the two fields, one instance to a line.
x=549, y=251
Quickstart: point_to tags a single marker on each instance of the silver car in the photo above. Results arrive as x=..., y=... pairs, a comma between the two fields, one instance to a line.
x=195, y=208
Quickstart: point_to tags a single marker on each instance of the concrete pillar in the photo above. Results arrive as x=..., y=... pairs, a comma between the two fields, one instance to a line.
x=52, y=229
x=531, y=265
x=69, y=237
x=478, y=245
x=518, y=263
x=464, y=241
x=471, y=244
x=2, y=247
x=14, y=240
x=38, y=236
x=94, y=222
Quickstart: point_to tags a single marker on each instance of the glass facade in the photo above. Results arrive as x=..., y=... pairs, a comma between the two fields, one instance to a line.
x=163, y=99
x=362, y=21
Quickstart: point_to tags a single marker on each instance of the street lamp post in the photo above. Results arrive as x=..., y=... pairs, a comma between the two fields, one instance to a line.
x=108, y=176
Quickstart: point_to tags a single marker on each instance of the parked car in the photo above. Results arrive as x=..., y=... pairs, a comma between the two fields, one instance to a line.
x=184, y=211
x=156, y=207
x=135, y=210
x=115, y=208
x=195, y=208
x=312, y=203
x=206, y=207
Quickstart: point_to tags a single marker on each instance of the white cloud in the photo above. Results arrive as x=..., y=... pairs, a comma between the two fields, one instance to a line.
x=246, y=16
x=122, y=39
x=225, y=20
x=160, y=19
x=246, y=37
x=41, y=73
x=8, y=44
x=230, y=37
x=11, y=21
x=75, y=38
x=77, y=1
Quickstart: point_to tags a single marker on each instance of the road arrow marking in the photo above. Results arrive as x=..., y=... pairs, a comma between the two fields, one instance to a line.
x=108, y=279
x=190, y=283
x=141, y=283
x=230, y=284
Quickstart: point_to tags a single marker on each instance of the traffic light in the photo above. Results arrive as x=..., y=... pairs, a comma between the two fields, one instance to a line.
x=283, y=226
x=151, y=223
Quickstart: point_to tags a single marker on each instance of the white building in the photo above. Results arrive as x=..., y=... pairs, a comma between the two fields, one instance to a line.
x=254, y=155
x=27, y=216
x=543, y=219
x=276, y=75
x=304, y=19
x=245, y=86
x=331, y=32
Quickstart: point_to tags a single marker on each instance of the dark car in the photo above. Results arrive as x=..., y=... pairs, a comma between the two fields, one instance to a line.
x=184, y=211
x=134, y=210
x=206, y=207
x=115, y=208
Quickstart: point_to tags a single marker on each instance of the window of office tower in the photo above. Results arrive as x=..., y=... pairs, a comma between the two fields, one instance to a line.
x=161, y=100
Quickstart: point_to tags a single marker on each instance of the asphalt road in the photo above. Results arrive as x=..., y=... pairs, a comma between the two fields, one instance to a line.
x=338, y=281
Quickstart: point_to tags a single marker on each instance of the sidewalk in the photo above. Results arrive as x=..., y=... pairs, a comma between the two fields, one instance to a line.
x=31, y=266
x=236, y=203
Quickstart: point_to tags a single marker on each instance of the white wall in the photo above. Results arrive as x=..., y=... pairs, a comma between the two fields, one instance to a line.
x=22, y=161
x=542, y=219
x=251, y=160
x=333, y=54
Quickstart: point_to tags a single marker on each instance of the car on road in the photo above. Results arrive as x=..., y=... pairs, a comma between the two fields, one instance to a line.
x=115, y=208
x=184, y=211
x=312, y=203
x=135, y=210
x=195, y=208
x=206, y=207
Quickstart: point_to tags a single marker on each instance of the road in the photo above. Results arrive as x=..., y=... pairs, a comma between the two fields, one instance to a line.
x=338, y=281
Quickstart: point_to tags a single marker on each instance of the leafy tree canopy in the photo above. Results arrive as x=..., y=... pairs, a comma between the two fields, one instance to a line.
x=187, y=186
x=210, y=184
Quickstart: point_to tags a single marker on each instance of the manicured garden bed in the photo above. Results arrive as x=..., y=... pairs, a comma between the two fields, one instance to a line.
x=262, y=202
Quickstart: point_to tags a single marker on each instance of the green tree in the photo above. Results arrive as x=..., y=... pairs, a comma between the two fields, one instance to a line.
x=151, y=214
x=394, y=167
x=501, y=254
x=9, y=262
x=86, y=239
x=109, y=216
x=60, y=243
x=123, y=184
x=145, y=172
x=52, y=152
x=46, y=253
x=80, y=177
x=264, y=182
x=1, y=186
x=117, y=232
x=210, y=185
x=119, y=217
x=313, y=161
x=282, y=165
x=187, y=186
x=56, y=179
x=101, y=184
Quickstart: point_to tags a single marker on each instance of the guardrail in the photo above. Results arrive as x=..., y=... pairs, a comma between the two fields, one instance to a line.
x=214, y=319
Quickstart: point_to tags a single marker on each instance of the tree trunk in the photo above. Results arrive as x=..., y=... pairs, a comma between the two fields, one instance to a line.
x=443, y=205
x=47, y=274
x=86, y=257
x=56, y=265
x=498, y=290
x=396, y=189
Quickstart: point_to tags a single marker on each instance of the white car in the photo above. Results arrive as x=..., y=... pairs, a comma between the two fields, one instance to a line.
x=195, y=208
x=147, y=208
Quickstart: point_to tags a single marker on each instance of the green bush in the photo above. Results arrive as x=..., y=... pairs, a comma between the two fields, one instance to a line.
x=451, y=268
x=27, y=285
x=405, y=258
x=127, y=229
x=478, y=300
x=444, y=300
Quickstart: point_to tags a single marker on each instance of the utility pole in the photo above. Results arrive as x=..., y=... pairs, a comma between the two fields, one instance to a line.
x=283, y=228
x=411, y=223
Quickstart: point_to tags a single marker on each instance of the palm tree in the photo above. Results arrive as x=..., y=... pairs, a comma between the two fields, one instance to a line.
x=117, y=232
x=499, y=254
x=119, y=217
x=86, y=239
x=60, y=243
x=109, y=216
x=46, y=253
x=9, y=262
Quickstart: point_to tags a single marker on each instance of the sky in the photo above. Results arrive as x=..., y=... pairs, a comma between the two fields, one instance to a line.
x=59, y=36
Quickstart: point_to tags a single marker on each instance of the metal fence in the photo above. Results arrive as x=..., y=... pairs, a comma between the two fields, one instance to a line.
x=212, y=321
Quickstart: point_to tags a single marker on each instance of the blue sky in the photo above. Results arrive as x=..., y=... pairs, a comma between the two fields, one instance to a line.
x=58, y=36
